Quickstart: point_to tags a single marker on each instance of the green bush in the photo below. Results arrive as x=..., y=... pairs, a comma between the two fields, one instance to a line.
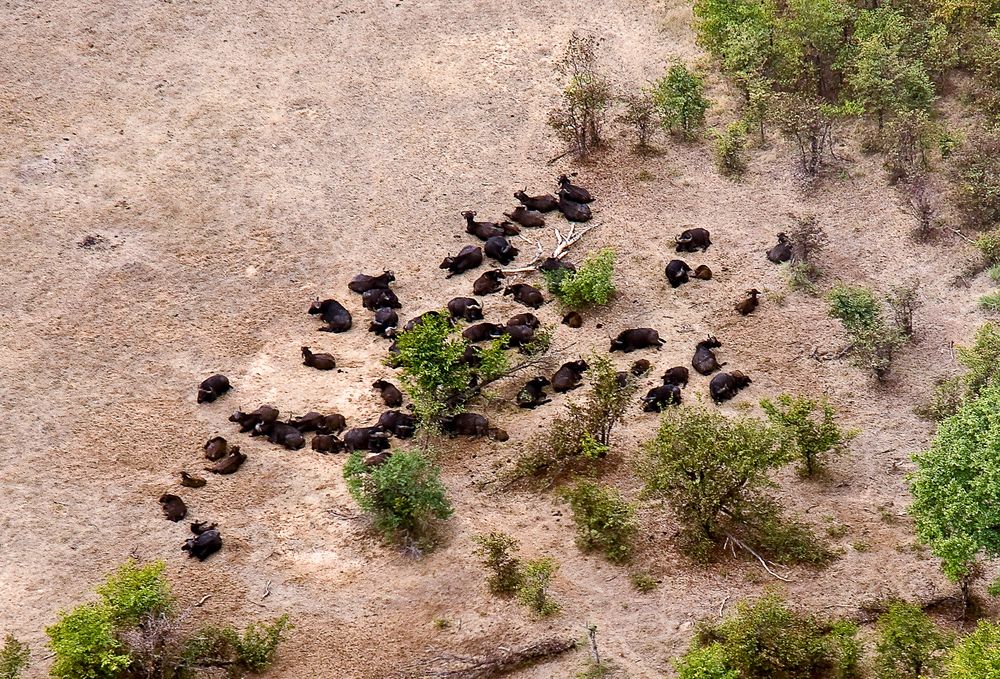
x=604, y=520
x=434, y=374
x=731, y=150
x=811, y=434
x=989, y=245
x=705, y=662
x=85, y=644
x=643, y=582
x=981, y=360
x=585, y=98
x=909, y=644
x=765, y=639
x=14, y=658
x=254, y=649
x=134, y=592
x=994, y=273
x=536, y=576
x=855, y=307
x=874, y=342
x=404, y=495
x=947, y=398
x=990, y=302
x=977, y=656
x=977, y=194
x=591, y=285
x=498, y=552
x=640, y=115
x=712, y=471
x=680, y=102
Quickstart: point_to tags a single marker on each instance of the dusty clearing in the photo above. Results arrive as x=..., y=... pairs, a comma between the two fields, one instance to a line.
x=237, y=162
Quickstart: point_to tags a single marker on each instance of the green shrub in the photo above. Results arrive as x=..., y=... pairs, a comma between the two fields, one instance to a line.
x=604, y=520
x=908, y=643
x=712, y=471
x=990, y=302
x=977, y=656
x=731, y=150
x=643, y=582
x=640, y=115
x=874, y=342
x=981, y=360
x=811, y=435
x=585, y=98
x=533, y=592
x=85, y=645
x=591, y=285
x=947, y=398
x=989, y=245
x=680, y=101
x=994, y=273
x=134, y=592
x=855, y=307
x=582, y=437
x=403, y=496
x=765, y=639
x=14, y=658
x=498, y=552
x=801, y=277
x=255, y=647
x=705, y=662
x=977, y=194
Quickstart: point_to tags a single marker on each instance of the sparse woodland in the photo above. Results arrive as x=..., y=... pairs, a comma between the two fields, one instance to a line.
x=719, y=487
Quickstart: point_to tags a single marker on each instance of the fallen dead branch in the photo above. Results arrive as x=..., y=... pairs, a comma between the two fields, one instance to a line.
x=201, y=601
x=561, y=249
x=495, y=663
x=734, y=542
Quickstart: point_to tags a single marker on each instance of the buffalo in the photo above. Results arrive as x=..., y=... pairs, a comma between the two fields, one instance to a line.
x=468, y=258
x=466, y=308
x=635, y=339
x=327, y=443
x=692, y=240
x=487, y=230
x=641, y=367
x=704, y=360
x=283, y=435
x=480, y=332
x=528, y=319
x=488, y=283
x=333, y=313
x=467, y=424
x=659, y=397
x=533, y=393
x=417, y=320
x=363, y=282
x=782, y=252
x=376, y=459
x=556, y=264
x=386, y=319
x=215, y=448
x=724, y=386
x=678, y=376
x=319, y=361
x=572, y=191
x=520, y=335
x=191, y=481
x=528, y=295
x=746, y=306
x=702, y=272
x=321, y=424
x=206, y=542
x=249, y=421
x=173, y=507
x=500, y=249
x=391, y=395
x=543, y=203
x=573, y=319
x=378, y=298
x=374, y=439
x=568, y=376
x=677, y=272
x=573, y=211
x=525, y=217
x=212, y=388
x=230, y=464
x=401, y=425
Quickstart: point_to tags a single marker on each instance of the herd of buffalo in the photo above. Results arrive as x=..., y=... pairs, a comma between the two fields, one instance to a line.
x=330, y=431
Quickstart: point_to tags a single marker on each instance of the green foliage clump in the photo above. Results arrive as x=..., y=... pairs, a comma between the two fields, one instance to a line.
x=765, y=639
x=680, y=101
x=252, y=650
x=977, y=191
x=14, y=658
x=990, y=302
x=713, y=473
x=977, y=656
x=982, y=363
x=604, y=519
x=874, y=341
x=705, y=662
x=643, y=582
x=591, y=285
x=947, y=398
x=585, y=99
x=810, y=434
x=640, y=115
x=434, y=374
x=497, y=550
x=403, y=496
x=909, y=644
x=85, y=644
x=136, y=591
x=989, y=245
x=533, y=591
x=582, y=437
x=954, y=487
x=731, y=150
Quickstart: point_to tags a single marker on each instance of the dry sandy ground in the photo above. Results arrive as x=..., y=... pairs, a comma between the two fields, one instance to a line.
x=238, y=161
